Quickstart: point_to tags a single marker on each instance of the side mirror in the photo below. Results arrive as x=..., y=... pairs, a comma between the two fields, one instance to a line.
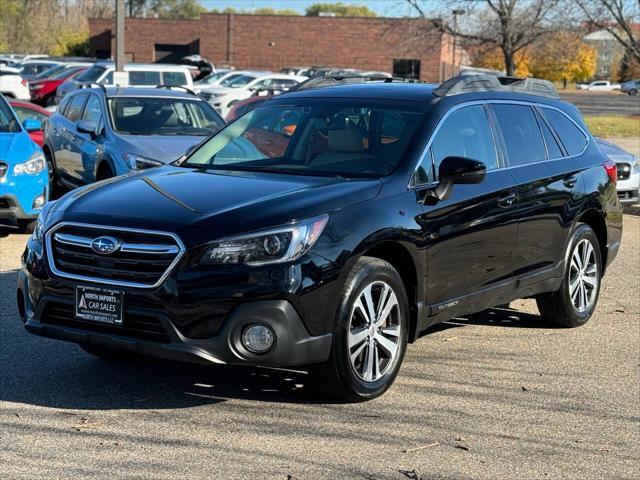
x=87, y=126
x=452, y=171
x=32, y=124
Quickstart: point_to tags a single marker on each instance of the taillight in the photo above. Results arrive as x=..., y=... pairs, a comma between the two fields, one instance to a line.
x=612, y=170
x=24, y=82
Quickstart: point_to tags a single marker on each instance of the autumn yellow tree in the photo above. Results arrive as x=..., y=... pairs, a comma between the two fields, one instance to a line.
x=494, y=59
x=562, y=56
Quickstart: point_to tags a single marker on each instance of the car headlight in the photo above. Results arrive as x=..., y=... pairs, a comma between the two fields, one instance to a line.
x=140, y=163
x=266, y=247
x=33, y=166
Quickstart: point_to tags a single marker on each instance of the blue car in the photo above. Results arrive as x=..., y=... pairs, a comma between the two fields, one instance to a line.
x=24, y=178
x=98, y=133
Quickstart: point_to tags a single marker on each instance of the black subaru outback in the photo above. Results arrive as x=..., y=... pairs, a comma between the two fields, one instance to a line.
x=332, y=225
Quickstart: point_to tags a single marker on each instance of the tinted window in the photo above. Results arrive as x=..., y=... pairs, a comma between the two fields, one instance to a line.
x=570, y=135
x=465, y=133
x=173, y=78
x=92, y=74
x=92, y=110
x=553, y=149
x=74, y=110
x=521, y=133
x=8, y=123
x=144, y=78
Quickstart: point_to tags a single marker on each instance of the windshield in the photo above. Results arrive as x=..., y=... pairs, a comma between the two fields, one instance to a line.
x=162, y=116
x=332, y=138
x=213, y=77
x=91, y=75
x=65, y=73
x=241, y=81
x=8, y=122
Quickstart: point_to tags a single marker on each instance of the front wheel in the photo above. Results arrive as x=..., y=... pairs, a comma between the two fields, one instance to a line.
x=573, y=304
x=369, y=336
x=633, y=91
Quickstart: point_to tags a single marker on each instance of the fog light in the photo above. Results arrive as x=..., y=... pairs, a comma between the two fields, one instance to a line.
x=38, y=201
x=258, y=338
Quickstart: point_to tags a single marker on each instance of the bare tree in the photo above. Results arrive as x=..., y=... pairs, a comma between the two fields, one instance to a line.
x=510, y=25
x=618, y=17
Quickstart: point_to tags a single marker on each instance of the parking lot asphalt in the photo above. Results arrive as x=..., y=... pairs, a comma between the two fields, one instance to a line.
x=603, y=103
x=497, y=395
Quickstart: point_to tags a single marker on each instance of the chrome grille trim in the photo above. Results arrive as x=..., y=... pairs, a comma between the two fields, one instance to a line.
x=85, y=242
x=80, y=241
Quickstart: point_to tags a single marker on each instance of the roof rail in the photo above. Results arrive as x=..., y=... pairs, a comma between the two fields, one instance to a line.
x=93, y=85
x=495, y=83
x=177, y=87
x=323, y=80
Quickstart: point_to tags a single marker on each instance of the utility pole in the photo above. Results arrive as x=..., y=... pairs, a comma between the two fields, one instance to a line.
x=455, y=37
x=119, y=36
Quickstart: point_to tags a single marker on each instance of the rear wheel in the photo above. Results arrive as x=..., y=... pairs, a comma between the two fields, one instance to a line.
x=633, y=91
x=573, y=304
x=369, y=336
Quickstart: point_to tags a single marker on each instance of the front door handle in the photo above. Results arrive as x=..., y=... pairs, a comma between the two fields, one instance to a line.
x=506, y=199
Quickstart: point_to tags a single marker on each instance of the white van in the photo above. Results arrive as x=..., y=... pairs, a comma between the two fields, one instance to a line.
x=137, y=75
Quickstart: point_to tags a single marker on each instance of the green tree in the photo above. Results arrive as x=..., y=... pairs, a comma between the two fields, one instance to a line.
x=339, y=9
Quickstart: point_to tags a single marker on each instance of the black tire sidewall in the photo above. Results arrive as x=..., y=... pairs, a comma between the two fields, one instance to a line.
x=366, y=273
x=581, y=232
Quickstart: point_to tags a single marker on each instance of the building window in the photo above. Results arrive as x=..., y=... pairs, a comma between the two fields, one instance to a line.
x=405, y=68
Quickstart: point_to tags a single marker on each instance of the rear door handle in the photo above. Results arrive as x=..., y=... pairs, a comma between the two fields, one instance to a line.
x=505, y=200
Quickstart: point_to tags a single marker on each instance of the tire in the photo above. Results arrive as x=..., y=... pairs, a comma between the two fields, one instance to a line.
x=54, y=185
x=563, y=309
x=26, y=226
x=633, y=91
x=358, y=380
x=109, y=354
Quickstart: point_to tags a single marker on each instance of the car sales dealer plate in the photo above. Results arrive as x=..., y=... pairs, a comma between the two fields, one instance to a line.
x=102, y=305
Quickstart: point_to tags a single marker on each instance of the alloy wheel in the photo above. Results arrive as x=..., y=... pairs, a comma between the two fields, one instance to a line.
x=374, y=331
x=583, y=276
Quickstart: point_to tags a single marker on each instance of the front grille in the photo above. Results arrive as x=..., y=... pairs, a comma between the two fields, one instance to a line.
x=143, y=259
x=624, y=171
x=3, y=169
x=134, y=326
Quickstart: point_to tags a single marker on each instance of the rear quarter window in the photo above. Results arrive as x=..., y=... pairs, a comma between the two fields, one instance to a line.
x=573, y=139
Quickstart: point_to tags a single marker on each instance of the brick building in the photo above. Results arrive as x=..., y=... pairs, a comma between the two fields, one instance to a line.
x=396, y=45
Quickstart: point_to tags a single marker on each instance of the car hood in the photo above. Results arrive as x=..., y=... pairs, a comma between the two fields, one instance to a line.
x=164, y=148
x=186, y=201
x=613, y=151
x=16, y=147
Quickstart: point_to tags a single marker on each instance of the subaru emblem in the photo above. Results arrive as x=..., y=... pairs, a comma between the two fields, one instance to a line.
x=105, y=245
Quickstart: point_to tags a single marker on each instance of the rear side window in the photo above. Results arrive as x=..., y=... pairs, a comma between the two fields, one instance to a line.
x=173, y=78
x=144, y=78
x=573, y=139
x=74, y=110
x=553, y=149
x=521, y=133
x=93, y=111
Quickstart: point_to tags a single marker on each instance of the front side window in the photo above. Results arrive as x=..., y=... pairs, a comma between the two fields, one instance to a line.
x=74, y=110
x=570, y=135
x=521, y=133
x=92, y=110
x=162, y=116
x=173, y=78
x=332, y=138
x=144, y=78
x=27, y=113
x=464, y=133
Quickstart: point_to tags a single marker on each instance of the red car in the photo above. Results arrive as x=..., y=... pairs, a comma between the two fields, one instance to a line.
x=45, y=89
x=26, y=110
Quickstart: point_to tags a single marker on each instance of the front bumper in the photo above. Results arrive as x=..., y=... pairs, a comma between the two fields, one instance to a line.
x=294, y=346
x=17, y=196
x=628, y=189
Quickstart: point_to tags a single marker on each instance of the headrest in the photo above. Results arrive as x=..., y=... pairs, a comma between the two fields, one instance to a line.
x=346, y=139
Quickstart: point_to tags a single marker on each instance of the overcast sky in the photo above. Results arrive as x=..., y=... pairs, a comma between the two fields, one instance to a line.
x=385, y=8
